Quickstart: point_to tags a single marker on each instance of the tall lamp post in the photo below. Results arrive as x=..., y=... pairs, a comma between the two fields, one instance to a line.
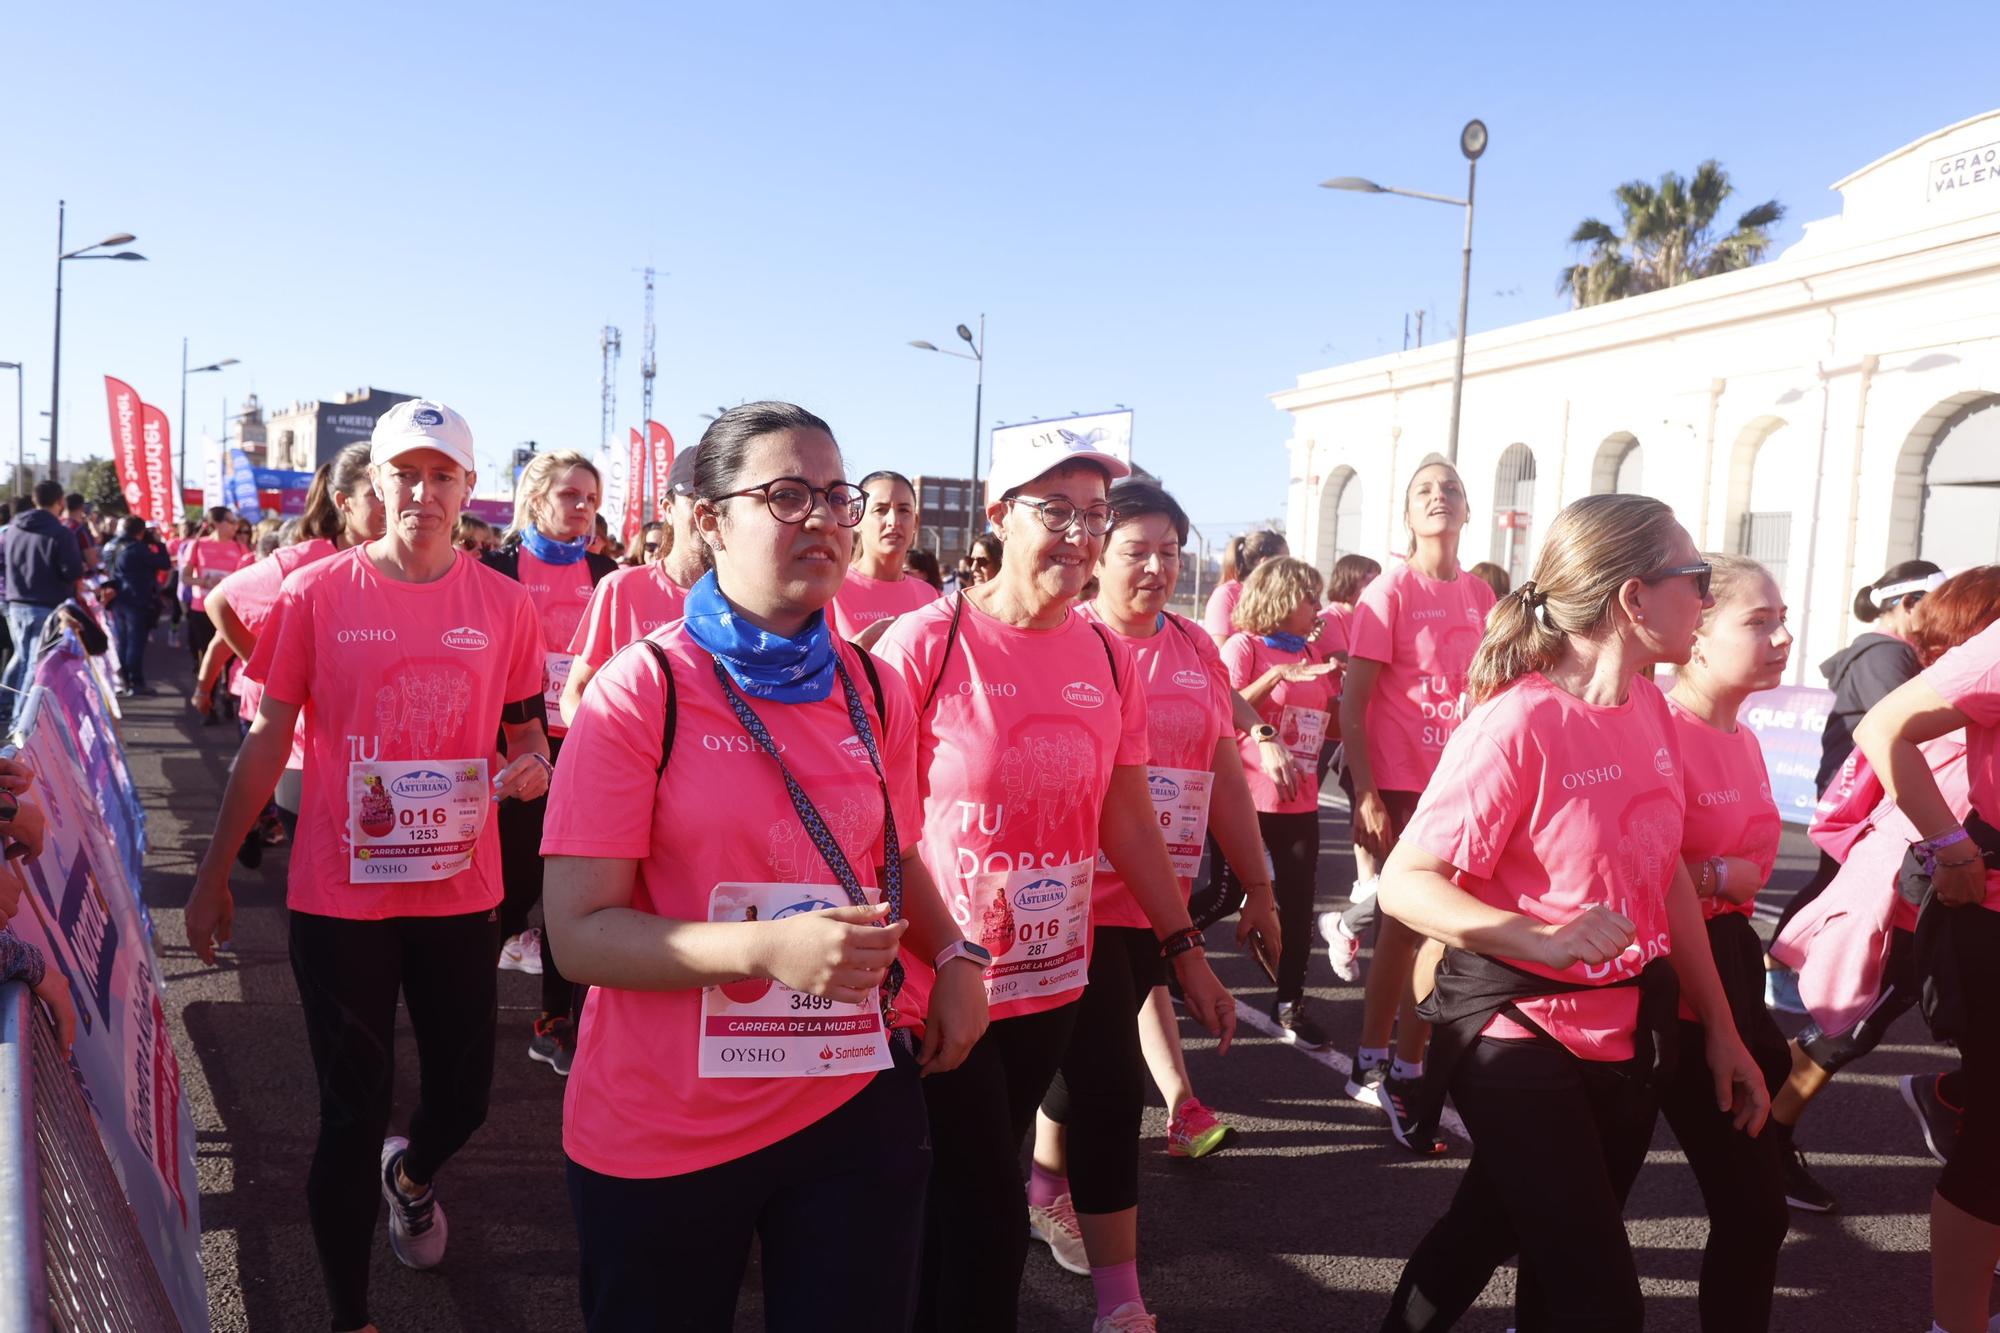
x=1472, y=143
x=20, y=426
x=977, y=354
x=185, y=372
x=63, y=257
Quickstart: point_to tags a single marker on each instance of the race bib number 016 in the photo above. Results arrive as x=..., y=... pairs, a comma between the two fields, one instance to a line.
x=764, y=1029
x=1036, y=924
x=414, y=821
x=555, y=676
x=1302, y=731
x=1180, y=809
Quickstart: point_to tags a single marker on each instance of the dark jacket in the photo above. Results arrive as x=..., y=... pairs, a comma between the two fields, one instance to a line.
x=135, y=567
x=43, y=562
x=1860, y=675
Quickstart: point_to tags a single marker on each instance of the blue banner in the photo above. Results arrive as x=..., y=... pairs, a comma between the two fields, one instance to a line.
x=279, y=479
x=239, y=488
x=80, y=689
x=1788, y=722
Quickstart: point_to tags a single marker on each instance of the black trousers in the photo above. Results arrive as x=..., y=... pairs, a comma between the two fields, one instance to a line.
x=837, y=1209
x=1971, y=1179
x=1293, y=843
x=976, y=1224
x=1557, y=1143
x=1099, y=1092
x=349, y=974
x=521, y=880
x=200, y=633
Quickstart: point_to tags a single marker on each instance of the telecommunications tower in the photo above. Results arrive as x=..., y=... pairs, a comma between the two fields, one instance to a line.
x=607, y=343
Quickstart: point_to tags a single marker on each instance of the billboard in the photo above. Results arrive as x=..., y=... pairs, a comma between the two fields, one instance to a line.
x=1109, y=431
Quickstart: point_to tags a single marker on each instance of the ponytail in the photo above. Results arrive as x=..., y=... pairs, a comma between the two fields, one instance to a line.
x=1867, y=609
x=1232, y=560
x=322, y=517
x=1519, y=640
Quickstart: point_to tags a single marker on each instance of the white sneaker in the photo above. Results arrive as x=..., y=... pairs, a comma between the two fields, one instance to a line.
x=1056, y=1226
x=416, y=1226
x=523, y=952
x=1363, y=890
x=1342, y=949
x=1131, y=1317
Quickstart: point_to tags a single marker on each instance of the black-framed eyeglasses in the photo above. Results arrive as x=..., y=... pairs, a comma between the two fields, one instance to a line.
x=1058, y=515
x=1701, y=570
x=790, y=500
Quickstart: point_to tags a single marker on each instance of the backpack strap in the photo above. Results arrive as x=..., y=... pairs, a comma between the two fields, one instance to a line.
x=673, y=706
x=950, y=642
x=1110, y=654
x=874, y=684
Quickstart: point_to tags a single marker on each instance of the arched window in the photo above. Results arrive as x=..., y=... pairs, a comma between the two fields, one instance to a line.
x=1961, y=514
x=1617, y=469
x=1514, y=511
x=1764, y=533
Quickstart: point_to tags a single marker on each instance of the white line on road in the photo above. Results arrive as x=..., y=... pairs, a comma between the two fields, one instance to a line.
x=1332, y=1059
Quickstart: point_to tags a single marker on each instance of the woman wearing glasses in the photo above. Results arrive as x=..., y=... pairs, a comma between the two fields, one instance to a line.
x=1033, y=745
x=879, y=585
x=1545, y=856
x=740, y=1080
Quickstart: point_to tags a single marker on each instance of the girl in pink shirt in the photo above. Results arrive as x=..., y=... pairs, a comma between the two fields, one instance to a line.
x=1729, y=842
x=1033, y=748
x=879, y=586
x=407, y=658
x=733, y=861
x=1240, y=559
x=205, y=562
x=1410, y=644
x=1545, y=856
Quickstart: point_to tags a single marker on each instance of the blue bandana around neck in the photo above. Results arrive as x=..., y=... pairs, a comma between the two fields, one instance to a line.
x=762, y=665
x=1285, y=643
x=550, y=551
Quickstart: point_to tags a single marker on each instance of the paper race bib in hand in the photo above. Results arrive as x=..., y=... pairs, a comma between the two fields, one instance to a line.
x=1302, y=731
x=1036, y=924
x=555, y=676
x=414, y=821
x=764, y=1029
x=1180, y=809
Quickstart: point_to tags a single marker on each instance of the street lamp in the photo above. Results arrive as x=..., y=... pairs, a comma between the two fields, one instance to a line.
x=20, y=426
x=63, y=257
x=1472, y=143
x=185, y=372
x=978, y=354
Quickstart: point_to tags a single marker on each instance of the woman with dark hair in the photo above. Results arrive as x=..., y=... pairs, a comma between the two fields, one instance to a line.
x=784, y=914
x=878, y=586
x=134, y=569
x=207, y=560
x=1246, y=551
x=925, y=566
x=1544, y=856
x=985, y=558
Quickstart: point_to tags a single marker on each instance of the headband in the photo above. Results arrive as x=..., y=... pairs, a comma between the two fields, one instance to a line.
x=1884, y=596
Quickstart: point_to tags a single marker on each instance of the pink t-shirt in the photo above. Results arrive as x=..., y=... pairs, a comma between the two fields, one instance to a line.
x=251, y=593
x=624, y=608
x=1730, y=811
x=561, y=594
x=1968, y=678
x=1015, y=754
x=1217, y=617
x=1187, y=711
x=1548, y=805
x=1424, y=631
x=1301, y=711
x=635, y=1106
x=208, y=562
x=387, y=671
x=862, y=600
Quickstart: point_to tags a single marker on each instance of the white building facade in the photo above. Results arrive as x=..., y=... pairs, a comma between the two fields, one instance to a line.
x=1831, y=412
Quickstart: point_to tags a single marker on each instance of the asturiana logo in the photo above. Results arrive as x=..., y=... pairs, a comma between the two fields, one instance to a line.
x=1164, y=787
x=1083, y=694
x=421, y=784
x=1663, y=762
x=1040, y=895
x=1191, y=680
x=853, y=748
x=801, y=907
x=465, y=637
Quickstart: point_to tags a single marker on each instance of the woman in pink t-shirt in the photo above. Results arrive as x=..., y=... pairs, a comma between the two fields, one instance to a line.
x=879, y=585
x=1957, y=947
x=1240, y=559
x=1409, y=645
x=1729, y=842
x=1545, y=856
x=733, y=858
x=407, y=658
x=1033, y=747
x=205, y=562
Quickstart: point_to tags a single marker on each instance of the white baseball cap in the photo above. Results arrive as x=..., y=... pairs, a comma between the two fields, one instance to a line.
x=1021, y=460
x=417, y=424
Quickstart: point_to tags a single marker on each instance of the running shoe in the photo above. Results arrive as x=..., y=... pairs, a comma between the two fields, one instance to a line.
x=523, y=952
x=271, y=831
x=1131, y=1317
x=1937, y=1118
x=1193, y=1131
x=1781, y=991
x=1295, y=1025
x=553, y=1043
x=1342, y=949
x=1801, y=1190
x=1056, y=1227
x=416, y=1225
x=1365, y=1084
x=1399, y=1099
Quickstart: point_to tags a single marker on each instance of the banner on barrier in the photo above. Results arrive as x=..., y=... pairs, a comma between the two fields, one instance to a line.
x=79, y=688
x=1788, y=722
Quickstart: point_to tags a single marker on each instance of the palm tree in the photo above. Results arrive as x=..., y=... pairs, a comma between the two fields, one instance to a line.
x=1666, y=239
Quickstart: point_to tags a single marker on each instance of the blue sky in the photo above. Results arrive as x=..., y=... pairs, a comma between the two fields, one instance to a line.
x=453, y=199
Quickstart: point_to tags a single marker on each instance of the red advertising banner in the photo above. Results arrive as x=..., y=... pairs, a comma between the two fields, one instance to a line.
x=156, y=461
x=635, y=489
x=661, y=445
x=127, y=413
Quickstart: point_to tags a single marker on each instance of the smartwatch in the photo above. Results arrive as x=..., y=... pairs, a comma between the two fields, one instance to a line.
x=1262, y=732
x=977, y=953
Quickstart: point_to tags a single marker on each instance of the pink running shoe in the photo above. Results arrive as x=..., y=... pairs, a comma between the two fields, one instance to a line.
x=1193, y=1131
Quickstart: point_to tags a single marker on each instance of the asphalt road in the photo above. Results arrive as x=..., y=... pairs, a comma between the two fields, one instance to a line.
x=1302, y=1224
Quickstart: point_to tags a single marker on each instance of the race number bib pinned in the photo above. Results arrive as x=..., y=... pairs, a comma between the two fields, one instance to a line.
x=1036, y=924
x=1180, y=809
x=414, y=821
x=764, y=1029
x=555, y=676
x=1302, y=731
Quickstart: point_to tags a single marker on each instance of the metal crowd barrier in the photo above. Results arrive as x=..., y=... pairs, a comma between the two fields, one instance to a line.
x=70, y=1252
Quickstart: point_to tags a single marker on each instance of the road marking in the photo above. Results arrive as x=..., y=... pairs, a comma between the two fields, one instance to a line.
x=1332, y=1059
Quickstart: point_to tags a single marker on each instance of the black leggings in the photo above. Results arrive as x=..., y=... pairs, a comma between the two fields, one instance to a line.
x=976, y=1224
x=521, y=878
x=201, y=632
x=837, y=1209
x=1899, y=995
x=1099, y=1093
x=1293, y=844
x=348, y=974
x=1971, y=1179
x=1557, y=1143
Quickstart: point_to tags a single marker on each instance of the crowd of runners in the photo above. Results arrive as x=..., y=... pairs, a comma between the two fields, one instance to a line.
x=846, y=883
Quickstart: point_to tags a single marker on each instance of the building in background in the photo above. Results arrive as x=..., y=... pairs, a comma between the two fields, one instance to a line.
x=305, y=435
x=941, y=505
x=1830, y=413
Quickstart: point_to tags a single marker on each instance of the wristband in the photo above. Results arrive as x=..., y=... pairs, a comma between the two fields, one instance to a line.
x=1181, y=941
x=1721, y=876
x=1928, y=849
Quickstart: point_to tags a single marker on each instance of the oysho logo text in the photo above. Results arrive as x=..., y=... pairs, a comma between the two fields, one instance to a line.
x=383, y=635
x=1591, y=777
x=992, y=689
x=1727, y=796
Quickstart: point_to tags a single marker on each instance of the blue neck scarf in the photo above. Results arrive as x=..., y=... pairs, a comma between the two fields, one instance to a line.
x=550, y=551
x=762, y=665
x=1285, y=643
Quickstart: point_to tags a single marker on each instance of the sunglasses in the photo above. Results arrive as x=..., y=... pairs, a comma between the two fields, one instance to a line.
x=1702, y=571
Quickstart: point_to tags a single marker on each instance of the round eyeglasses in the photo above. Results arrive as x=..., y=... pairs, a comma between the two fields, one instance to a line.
x=790, y=500
x=1058, y=515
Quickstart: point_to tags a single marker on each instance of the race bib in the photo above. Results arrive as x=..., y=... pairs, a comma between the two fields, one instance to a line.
x=1302, y=731
x=555, y=675
x=1036, y=924
x=1180, y=808
x=764, y=1029
x=414, y=821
